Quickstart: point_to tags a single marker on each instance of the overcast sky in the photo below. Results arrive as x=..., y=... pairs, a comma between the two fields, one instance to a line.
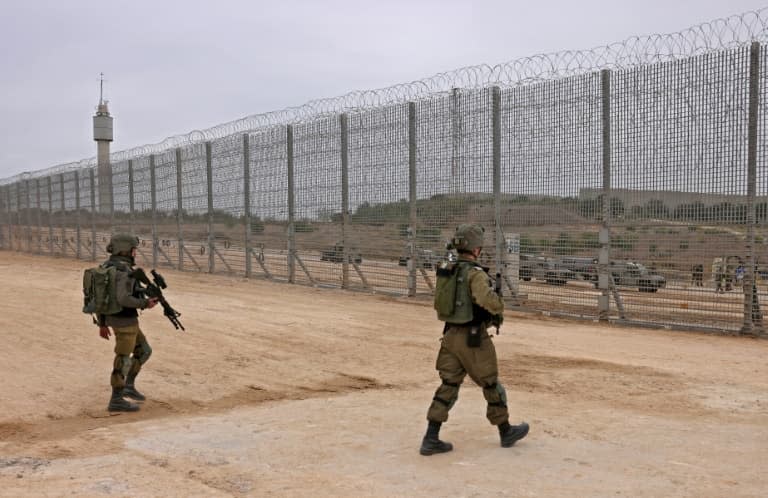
x=175, y=66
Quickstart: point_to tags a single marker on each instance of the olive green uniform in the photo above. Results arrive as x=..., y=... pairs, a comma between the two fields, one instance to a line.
x=457, y=358
x=131, y=347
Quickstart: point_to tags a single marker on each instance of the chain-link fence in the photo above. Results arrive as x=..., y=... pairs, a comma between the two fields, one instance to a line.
x=626, y=183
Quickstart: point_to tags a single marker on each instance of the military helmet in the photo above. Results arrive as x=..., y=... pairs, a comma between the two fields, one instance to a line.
x=122, y=242
x=467, y=237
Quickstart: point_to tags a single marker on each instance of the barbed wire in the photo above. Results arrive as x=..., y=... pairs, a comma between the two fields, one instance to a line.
x=720, y=34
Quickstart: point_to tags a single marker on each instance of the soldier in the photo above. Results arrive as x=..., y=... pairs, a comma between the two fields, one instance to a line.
x=131, y=347
x=698, y=275
x=466, y=302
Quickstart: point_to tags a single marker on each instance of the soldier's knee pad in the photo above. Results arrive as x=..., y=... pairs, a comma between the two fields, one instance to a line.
x=122, y=365
x=447, y=393
x=495, y=394
x=145, y=351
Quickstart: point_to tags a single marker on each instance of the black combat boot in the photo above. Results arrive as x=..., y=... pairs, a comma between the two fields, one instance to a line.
x=130, y=389
x=510, y=434
x=118, y=404
x=431, y=443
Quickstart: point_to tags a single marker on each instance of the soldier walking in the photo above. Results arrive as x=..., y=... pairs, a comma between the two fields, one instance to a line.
x=131, y=347
x=466, y=302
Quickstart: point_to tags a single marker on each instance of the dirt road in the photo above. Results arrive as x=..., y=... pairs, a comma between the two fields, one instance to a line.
x=280, y=390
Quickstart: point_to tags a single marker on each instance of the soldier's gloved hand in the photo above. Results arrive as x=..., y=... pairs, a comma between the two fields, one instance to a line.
x=152, y=302
x=497, y=320
x=104, y=333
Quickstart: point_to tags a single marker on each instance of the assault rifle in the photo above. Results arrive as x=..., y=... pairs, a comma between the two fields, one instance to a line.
x=154, y=289
x=497, y=289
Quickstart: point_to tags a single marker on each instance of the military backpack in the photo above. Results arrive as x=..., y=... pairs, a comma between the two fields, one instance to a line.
x=453, y=301
x=100, y=290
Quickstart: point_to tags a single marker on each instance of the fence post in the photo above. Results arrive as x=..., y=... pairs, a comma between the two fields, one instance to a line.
x=29, y=215
x=209, y=179
x=50, y=215
x=247, y=204
x=92, y=181
x=604, y=259
x=11, y=228
x=25, y=218
x=291, y=207
x=179, y=211
x=78, y=236
x=19, y=236
x=111, y=187
x=412, y=218
x=752, y=315
x=153, y=206
x=499, y=232
x=9, y=216
x=455, y=141
x=6, y=201
x=17, y=213
x=11, y=225
x=39, y=205
x=2, y=211
x=131, y=220
x=63, y=215
x=344, y=123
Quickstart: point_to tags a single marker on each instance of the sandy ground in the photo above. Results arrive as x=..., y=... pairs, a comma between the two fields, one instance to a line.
x=280, y=390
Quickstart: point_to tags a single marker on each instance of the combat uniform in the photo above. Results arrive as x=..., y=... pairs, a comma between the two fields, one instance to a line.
x=457, y=358
x=467, y=348
x=131, y=347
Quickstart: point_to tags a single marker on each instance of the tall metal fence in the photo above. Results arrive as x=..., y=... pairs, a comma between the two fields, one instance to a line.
x=626, y=183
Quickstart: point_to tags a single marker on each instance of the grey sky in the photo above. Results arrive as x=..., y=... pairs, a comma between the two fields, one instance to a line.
x=175, y=66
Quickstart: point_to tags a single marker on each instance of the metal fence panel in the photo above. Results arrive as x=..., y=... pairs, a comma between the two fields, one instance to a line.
x=269, y=201
x=454, y=170
x=551, y=152
x=317, y=174
x=194, y=204
x=228, y=204
x=122, y=217
x=378, y=198
x=69, y=214
x=679, y=187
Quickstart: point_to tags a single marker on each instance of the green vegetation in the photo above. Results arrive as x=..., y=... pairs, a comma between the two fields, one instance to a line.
x=527, y=245
x=590, y=240
x=303, y=226
x=624, y=242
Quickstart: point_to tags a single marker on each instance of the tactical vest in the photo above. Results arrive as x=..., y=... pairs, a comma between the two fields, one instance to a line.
x=453, y=301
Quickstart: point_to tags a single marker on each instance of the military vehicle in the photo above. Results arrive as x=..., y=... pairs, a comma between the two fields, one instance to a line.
x=631, y=274
x=583, y=267
x=542, y=268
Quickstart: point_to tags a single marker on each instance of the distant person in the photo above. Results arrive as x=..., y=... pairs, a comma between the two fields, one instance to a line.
x=720, y=282
x=466, y=302
x=739, y=275
x=131, y=347
x=698, y=275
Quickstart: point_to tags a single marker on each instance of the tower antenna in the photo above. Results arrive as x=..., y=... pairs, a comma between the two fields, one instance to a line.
x=101, y=88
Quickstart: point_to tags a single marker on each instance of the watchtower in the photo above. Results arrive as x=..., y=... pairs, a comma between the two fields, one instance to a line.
x=102, y=133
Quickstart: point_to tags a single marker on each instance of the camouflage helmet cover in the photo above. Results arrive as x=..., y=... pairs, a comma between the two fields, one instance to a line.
x=467, y=237
x=122, y=242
